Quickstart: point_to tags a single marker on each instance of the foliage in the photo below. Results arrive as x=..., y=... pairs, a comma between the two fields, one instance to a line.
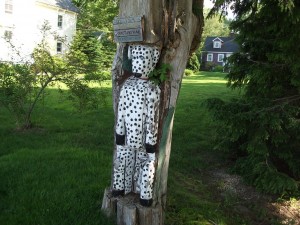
x=96, y=15
x=108, y=49
x=218, y=68
x=188, y=72
x=89, y=55
x=214, y=26
x=22, y=85
x=259, y=141
x=84, y=54
x=160, y=73
x=193, y=63
x=15, y=85
x=210, y=66
x=261, y=130
x=95, y=25
x=84, y=97
x=101, y=76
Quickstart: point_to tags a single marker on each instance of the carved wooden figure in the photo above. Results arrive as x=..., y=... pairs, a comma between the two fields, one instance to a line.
x=176, y=27
x=136, y=128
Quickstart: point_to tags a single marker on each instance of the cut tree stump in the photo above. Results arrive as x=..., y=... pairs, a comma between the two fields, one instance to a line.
x=109, y=203
x=129, y=211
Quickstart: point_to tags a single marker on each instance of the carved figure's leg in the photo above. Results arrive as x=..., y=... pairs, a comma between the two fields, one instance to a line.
x=123, y=170
x=141, y=158
x=147, y=180
x=129, y=169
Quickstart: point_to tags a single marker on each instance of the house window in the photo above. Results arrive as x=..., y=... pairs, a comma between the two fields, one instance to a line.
x=60, y=21
x=220, y=57
x=7, y=35
x=59, y=47
x=217, y=44
x=209, y=57
x=8, y=6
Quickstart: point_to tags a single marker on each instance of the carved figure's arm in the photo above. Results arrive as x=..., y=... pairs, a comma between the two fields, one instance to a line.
x=152, y=118
x=120, y=127
x=155, y=56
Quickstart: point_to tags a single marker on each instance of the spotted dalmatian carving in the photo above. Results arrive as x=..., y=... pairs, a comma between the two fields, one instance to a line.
x=137, y=125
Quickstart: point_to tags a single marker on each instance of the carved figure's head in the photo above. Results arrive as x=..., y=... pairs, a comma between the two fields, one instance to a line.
x=144, y=59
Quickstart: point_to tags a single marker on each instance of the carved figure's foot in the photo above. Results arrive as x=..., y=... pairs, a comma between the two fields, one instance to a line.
x=146, y=202
x=116, y=193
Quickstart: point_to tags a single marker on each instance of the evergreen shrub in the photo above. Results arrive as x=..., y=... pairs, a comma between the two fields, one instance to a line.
x=193, y=63
x=261, y=130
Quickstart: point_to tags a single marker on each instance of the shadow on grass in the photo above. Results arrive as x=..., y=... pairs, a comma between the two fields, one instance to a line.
x=194, y=191
x=56, y=173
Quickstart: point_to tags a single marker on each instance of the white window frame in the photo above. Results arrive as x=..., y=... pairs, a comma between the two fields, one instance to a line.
x=9, y=6
x=217, y=44
x=59, y=47
x=60, y=21
x=222, y=56
x=8, y=35
x=210, y=57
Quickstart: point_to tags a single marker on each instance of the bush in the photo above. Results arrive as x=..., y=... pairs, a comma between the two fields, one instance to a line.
x=263, y=138
x=188, y=72
x=210, y=66
x=98, y=76
x=106, y=75
x=22, y=85
x=193, y=63
x=160, y=73
x=85, y=98
x=218, y=68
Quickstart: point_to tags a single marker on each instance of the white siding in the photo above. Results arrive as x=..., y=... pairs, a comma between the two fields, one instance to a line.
x=25, y=22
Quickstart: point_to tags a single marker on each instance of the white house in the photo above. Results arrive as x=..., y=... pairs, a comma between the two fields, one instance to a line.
x=21, y=22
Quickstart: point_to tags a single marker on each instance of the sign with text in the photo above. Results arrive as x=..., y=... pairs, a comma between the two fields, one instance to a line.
x=128, y=29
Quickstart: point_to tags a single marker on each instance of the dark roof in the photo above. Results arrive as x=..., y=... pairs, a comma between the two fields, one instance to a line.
x=228, y=44
x=64, y=4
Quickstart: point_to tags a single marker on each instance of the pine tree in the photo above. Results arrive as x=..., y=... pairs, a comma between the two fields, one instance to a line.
x=263, y=126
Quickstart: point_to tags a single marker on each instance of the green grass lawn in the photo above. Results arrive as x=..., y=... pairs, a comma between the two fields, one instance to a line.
x=190, y=200
x=56, y=174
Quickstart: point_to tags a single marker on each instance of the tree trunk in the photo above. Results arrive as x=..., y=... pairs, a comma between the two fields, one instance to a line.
x=176, y=27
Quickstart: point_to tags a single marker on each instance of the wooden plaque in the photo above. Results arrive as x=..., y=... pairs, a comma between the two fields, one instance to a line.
x=128, y=29
x=153, y=18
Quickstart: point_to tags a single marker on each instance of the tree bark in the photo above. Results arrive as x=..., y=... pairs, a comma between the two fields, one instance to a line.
x=176, y=27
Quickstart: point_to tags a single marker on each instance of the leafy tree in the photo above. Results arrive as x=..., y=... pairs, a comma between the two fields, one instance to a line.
x=85, y=53
x=215, y=25
x=261, y=129
x=95, y=20
x=96, y=15
x=193, y=63
x=23, y=84
x=108, y=48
